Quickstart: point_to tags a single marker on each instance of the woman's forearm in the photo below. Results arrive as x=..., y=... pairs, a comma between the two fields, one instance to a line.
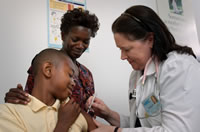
x=113, y=118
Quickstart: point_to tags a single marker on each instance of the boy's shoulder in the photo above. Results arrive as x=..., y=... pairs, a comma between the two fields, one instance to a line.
x=11, y=107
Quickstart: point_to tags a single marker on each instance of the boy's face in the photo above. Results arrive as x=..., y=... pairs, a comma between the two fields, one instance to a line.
x=63, y=81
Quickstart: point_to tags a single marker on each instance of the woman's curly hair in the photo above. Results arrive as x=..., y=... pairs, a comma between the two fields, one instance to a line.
x=79, y=17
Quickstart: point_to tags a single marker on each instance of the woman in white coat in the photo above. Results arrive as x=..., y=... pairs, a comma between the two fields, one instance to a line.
x=164, y=86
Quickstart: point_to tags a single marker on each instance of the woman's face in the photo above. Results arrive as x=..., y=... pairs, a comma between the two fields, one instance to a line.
x=136, y=52
x=76, y=41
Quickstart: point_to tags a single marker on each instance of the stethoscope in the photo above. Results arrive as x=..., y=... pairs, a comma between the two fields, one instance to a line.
x=133, y=94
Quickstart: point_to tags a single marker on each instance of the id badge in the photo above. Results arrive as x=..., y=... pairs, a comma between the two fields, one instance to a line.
x=151, y=105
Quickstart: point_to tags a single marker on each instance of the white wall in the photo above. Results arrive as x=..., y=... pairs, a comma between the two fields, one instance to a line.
x=195, y=4
x=23, y=33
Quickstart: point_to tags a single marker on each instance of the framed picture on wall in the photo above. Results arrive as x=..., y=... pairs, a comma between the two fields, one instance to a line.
x=56, y=9
x=179, y=17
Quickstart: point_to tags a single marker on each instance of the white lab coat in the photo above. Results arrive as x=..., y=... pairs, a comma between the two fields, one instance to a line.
x=178, y=87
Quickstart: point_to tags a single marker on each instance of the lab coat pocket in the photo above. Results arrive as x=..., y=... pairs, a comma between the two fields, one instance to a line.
x=155, y=120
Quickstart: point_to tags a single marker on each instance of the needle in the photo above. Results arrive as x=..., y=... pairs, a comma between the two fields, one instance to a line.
x=91, y=103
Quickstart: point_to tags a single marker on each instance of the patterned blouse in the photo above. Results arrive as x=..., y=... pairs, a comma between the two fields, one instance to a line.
x=84, y=85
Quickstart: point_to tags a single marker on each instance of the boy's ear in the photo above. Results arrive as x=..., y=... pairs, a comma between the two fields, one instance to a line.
x=47, y=69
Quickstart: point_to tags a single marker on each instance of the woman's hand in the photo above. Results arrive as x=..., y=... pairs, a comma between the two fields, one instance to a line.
x=99, y=107
x=17, y=96
x=102, y=110
x=67, y=114
x=104, y=128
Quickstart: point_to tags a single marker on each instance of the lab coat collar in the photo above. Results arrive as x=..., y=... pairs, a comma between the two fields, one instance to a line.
x=151, y=67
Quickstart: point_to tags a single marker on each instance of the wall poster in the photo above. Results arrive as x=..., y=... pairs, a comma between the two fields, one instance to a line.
x=56, y=9
x=178, y=15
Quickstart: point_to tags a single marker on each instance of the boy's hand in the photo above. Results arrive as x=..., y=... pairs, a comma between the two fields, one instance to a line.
x=17, y=96
x=67, y=114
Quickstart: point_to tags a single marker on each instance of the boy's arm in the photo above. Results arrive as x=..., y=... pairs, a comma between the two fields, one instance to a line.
x=90, y=122
x=9, y=122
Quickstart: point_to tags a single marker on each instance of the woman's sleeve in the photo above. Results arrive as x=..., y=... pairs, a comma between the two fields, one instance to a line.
x=179, y=94
x=124, y=121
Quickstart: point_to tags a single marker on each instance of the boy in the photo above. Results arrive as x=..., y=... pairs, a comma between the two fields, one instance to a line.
x=48, y=108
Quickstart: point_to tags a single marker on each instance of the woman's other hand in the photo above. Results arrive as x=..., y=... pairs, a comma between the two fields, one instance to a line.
x=102, y=110
x=99, y=107
x=17, y=96
x=104, y=128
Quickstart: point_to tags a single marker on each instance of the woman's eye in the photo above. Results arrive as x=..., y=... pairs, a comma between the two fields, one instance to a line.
x=126, y=50
x=71, y=75
x=86, y=42
x=74, y=40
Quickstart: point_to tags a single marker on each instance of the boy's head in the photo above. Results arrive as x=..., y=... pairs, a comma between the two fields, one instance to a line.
x=56, y=69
